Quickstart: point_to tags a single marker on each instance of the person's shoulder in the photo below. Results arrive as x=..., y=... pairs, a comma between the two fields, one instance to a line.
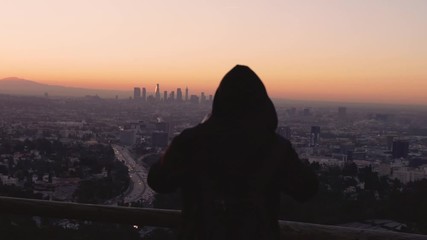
x=283, y=147
x=191, y=131
x=188, y=133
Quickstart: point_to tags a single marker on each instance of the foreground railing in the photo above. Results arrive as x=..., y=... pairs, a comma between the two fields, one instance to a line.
x=171, y=218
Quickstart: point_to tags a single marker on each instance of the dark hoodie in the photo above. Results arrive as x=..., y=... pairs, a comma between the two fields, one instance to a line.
x=232, y=168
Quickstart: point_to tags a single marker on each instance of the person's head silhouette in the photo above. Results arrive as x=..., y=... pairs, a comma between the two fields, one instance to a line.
x=242, y=96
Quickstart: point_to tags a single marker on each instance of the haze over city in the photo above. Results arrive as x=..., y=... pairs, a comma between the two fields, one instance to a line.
x=357, y=51
x=112, y=127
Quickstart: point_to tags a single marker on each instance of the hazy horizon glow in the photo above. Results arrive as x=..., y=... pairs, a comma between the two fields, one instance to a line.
x=363, y=51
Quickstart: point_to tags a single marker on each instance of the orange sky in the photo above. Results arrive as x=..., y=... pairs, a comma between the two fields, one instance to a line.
x=369, y=51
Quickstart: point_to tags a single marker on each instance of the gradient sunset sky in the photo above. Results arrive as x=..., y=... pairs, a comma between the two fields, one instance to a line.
x=340, y=50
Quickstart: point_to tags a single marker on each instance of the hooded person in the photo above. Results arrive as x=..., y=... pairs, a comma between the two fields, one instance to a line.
x=232, y=168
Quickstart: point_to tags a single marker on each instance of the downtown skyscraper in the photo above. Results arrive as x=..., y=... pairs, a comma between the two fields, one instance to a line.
x=157, y=92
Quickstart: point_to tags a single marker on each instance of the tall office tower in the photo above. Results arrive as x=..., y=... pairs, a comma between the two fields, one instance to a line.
x=194, y=99
x=165, y=96
x=284, y=131
x=178, y=95
x=202, y=98
x=400, y=149
x=390, y=141
x=342, y=111
x=136, y=93
x=172, y=96
x=144, y=94
x=157, y=92
x=314, y=136
x=186, y=94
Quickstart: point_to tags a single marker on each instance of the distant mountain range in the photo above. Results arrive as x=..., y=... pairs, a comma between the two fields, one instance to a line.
x=17, y=86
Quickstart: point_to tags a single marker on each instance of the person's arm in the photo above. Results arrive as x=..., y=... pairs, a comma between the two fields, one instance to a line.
x=165, y=176
x=296, y=178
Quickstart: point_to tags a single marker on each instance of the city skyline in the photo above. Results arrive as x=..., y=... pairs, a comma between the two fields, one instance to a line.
x=23, y=87
x=350, y=51
x=140, y=93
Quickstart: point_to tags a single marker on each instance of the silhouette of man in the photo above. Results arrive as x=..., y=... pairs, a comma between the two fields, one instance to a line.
x=232, y=168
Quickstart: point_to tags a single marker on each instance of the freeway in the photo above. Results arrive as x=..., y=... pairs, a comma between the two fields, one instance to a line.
x=138, y=188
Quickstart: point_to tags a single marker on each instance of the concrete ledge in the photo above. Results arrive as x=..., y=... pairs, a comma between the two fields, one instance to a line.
x=305, y=231
x=171, y=218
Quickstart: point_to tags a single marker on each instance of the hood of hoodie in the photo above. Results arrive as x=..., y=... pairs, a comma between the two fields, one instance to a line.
x=241, y=97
